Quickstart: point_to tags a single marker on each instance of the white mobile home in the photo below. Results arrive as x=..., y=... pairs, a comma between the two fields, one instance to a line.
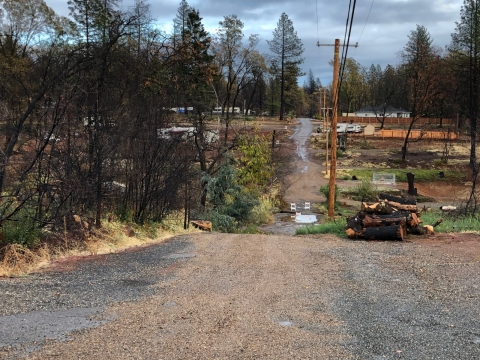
x=342, y=128
x=382, y=111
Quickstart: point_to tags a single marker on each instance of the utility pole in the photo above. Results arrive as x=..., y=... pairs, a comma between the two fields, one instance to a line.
x=333, y=160
x=325, y=129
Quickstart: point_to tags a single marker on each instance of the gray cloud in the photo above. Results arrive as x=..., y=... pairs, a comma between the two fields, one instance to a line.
x=385, y=34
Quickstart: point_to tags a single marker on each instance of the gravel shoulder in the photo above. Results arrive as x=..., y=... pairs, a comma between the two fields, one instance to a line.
x=280, y=297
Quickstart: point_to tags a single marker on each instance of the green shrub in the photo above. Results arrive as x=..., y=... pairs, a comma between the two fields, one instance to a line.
x=365, y=145
x=263, y=212
x=150, y=230
x=221, y=222
x=22, y=231
x=365, y=191
x=231, y=203
x=124, y=214
x=325, y=190
x=292, y=114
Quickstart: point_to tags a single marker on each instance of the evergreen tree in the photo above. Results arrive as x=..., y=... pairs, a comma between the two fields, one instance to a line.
x=311, y=84
x=273, y=92
x=93, y=18
x=181, y=20
x=197, y=64
x=352, y=94
x=287, y=49
x=421, y=61
x=466, y=51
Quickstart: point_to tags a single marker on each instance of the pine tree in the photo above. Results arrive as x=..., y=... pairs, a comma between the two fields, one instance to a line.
x=466, y=51
x=311, y=85
x=92, y=18
x=421, y=60
x=287, y=49
x=181, y=20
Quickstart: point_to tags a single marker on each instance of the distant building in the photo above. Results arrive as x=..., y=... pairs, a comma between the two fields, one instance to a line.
x=382, y=111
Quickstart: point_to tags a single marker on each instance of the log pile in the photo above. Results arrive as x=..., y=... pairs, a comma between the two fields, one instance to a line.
x=391, y=218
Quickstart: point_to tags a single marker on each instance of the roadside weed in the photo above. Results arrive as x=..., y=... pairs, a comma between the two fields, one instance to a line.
x=336, y=227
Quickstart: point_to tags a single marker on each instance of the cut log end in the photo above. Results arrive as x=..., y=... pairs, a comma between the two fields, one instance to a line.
x=351, y=234
x=430, y=230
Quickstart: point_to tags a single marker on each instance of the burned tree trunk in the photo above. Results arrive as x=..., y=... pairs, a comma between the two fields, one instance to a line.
x=411, y=208
x=377, y=208
x=395, y=232
x=397, y=199
x=421, y=230
x=375, y=221
x=412, y=190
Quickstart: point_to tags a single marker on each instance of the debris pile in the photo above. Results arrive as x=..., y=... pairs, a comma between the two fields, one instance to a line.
x=202, y=224
x=391, y=218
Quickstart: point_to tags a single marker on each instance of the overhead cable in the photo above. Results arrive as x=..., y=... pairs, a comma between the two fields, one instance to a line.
x=346, y=44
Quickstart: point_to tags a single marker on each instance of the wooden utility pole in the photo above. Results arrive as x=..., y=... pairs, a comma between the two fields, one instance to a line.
x=333, y=162
x=333, y=158
x=325, y=128
x=325, y=124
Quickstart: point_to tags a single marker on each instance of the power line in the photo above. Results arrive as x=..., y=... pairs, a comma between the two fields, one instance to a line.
x=344, y=48
x=345, y=38
x=364, y=25
x=346, y=44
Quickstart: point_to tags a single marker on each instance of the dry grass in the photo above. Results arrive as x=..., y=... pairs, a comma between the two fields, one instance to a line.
x=17, y=260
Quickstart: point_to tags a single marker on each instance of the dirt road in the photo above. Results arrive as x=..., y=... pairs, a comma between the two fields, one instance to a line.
x=305, y=182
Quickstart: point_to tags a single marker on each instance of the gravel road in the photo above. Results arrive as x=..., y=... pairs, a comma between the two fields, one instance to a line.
x=218, y=296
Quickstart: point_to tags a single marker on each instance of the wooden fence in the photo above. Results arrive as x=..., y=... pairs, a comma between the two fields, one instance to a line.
x=415, y=134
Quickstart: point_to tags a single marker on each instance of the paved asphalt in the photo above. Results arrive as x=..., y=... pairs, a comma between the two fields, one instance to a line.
x=54, y=303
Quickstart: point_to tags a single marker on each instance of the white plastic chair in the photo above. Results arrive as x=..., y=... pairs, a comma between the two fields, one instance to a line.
x=293, y=207
x=307, y=206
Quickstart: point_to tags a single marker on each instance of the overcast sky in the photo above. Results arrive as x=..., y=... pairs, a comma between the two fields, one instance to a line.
x=380, y=37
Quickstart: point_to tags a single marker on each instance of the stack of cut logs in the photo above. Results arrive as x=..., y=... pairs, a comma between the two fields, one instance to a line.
x=391, y=218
